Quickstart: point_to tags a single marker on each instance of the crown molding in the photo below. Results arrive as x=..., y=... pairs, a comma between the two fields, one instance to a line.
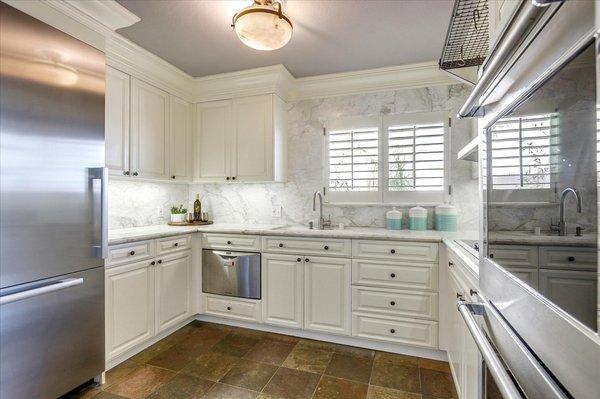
x=370, y=80
x=132, y=59
x=272, y=79
x=106, y=16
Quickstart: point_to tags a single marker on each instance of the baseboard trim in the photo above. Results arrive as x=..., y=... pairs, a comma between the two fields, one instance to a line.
x=428, y=353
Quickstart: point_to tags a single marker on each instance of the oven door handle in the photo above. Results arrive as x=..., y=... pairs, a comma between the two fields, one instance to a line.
x=503, y=380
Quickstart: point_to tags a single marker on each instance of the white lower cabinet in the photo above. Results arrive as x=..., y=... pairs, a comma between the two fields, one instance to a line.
x=129, y=306
x=232, y=308
x=396, y=329
x=283, y=290
x=327, y=295
x=173, y=277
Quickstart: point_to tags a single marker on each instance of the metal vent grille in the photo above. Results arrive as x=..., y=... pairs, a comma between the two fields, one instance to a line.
x=467, y=39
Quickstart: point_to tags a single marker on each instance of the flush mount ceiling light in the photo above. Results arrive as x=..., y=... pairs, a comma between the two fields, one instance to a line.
x=263, y=25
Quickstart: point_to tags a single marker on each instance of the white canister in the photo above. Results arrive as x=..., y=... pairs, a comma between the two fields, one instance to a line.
x=445, y=217
x=417, y=218
x=393, y=219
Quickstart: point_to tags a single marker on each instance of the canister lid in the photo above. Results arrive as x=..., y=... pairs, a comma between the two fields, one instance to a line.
x=393, y=214
x=445, y=209
x=417, y=211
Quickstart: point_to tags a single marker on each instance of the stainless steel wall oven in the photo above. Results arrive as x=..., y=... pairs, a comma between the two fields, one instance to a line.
x=539, y=169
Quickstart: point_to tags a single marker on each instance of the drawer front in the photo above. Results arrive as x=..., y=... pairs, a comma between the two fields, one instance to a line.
x=418, y=276
x=236, y=242
x=422, y=305
x=398, y=330
x=395, y=250
x=515, y=255
x=307, y=246
x=233, y=308
x=568, y=258
x=130, y=252
x=173, y=244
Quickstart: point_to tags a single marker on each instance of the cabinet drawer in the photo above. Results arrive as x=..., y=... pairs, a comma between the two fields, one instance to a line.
x=130, y=252
x=419, y=276
x=173, y=244
x=231, y=241
x=514, y=255
x=395, y=250
x=233, y=308
x=568, y=258
x=395, y=302
x=399, y=330
x=307, y=246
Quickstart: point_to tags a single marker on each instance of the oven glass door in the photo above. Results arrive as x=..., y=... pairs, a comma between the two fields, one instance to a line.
x=540, y=174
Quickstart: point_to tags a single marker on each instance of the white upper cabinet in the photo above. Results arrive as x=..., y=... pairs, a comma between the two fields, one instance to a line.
x=180, y=139
x=117, y=121
x=213, y=141
x=241, y=140
x=149, y=131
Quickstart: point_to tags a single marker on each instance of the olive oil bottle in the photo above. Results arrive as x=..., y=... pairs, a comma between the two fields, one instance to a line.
x=197, y=209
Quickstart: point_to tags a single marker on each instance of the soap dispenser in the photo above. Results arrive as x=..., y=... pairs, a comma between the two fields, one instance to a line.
x=393, y=219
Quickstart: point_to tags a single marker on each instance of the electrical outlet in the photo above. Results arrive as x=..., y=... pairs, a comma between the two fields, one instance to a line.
x=276, y=211
x=160, y=212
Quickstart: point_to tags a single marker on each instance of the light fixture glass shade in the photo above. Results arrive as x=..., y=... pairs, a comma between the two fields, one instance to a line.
x=262, y=28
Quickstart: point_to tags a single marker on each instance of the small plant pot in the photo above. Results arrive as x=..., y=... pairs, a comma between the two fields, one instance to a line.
x=178, y=217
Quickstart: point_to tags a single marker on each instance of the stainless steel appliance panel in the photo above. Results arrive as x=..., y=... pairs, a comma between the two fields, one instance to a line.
x=51, y=151
x=53, y=341
x=231, y=273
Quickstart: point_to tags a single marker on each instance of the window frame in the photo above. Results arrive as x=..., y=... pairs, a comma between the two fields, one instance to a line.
x=383, y=195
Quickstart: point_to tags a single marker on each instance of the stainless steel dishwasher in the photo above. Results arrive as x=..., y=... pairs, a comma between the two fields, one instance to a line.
x=231, y=273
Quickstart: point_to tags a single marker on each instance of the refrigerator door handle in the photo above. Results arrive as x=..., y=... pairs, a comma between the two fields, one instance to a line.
x=100, y=175
x=60, y=285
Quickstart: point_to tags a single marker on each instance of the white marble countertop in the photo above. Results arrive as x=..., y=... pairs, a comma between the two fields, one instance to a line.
x=121, y=236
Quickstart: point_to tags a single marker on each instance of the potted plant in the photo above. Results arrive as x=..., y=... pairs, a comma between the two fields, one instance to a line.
x=178, y=214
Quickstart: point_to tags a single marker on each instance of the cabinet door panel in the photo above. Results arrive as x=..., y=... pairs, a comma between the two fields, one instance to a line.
x=117, y=121
x=173, y=277
x=253, y=140
x=129, y=306
x=180, y=136
x=327, y=295
x=213, y=141
x=149, y=131
x=282, y=287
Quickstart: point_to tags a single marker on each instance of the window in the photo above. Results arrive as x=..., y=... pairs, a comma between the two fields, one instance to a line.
x=395, y=158
x=522, y=152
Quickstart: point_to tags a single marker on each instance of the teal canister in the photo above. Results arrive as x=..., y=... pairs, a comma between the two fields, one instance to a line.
x=445, y=218
x=393, y=219
x=417, y=218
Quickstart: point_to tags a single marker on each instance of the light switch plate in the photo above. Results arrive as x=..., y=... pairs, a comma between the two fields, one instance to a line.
x=276, y=211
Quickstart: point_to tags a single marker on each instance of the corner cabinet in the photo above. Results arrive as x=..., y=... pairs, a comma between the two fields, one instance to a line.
x=241, y=139
x=148, y=131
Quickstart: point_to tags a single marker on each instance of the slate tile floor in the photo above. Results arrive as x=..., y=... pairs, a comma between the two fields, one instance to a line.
x=211, y=361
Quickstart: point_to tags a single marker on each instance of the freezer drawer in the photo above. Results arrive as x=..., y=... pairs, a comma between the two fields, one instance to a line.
x=231, y=273
x=52, y=341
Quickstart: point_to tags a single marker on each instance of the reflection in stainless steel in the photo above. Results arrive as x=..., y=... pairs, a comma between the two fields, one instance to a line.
x=52, y=212
x=562, y=225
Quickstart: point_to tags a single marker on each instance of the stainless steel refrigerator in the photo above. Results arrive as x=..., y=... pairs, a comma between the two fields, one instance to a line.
x=52, y=209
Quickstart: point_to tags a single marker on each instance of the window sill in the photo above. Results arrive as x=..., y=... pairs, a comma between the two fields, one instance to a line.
x=380, y=204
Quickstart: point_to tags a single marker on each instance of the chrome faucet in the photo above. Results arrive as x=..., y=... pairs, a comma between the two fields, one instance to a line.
x=322, y=223
x=561, y=227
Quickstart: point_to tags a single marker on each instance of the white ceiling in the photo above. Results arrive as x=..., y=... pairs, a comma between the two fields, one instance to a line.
x=329, y=36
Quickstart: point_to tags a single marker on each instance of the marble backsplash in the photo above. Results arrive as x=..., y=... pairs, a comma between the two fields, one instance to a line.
x=135, y=203
x=138, y=203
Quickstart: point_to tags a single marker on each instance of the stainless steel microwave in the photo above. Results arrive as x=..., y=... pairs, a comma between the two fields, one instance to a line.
x=537, y=100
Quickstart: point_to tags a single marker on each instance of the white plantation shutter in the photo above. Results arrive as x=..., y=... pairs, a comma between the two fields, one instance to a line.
x=523, y=152
x=416, y=157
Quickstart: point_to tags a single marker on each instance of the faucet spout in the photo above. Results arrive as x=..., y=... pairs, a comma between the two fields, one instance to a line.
x=322, y=223
x=562, y=225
